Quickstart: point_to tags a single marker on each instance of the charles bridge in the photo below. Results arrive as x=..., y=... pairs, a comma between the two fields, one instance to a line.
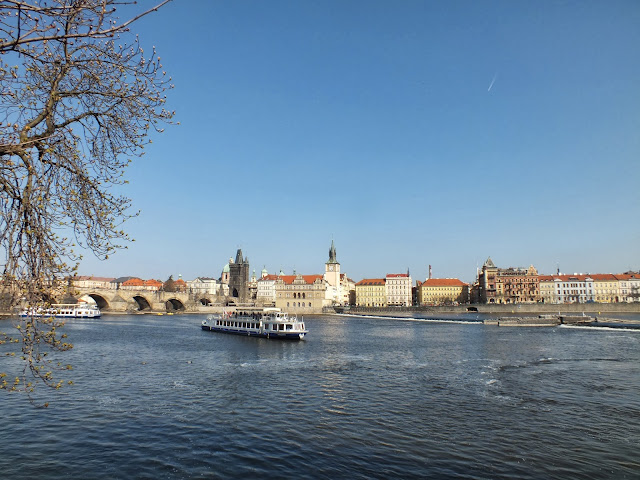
x=141, y=301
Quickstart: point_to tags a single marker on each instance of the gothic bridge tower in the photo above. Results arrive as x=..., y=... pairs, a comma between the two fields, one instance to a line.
x=239, y=278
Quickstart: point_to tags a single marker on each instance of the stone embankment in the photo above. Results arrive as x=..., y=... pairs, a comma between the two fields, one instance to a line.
x=541, y=321
x=519, y=309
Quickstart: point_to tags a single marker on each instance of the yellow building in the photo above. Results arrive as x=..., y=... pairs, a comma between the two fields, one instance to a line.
x=371, y=292
x=606, y=287
x=439, y=291
x=547, y=289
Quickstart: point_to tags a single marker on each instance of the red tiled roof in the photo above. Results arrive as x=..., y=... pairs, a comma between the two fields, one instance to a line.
x=397, y=275
x=604, y=277
x=371, y=281
x=133, y=282
x=308, y=279
x=444, y=282
x=627, y=276
x=269, y=277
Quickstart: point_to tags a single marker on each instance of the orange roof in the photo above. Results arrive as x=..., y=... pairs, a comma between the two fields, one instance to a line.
x=308, y=279
x=269, y=277
x=627, y=276
x=153, y=283
x=604, y=277
x=371, y=281
x=397, y=275
x=133, y=282
x=443, y=282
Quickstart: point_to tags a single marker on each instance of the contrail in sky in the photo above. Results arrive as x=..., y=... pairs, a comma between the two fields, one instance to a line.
x=492, y=82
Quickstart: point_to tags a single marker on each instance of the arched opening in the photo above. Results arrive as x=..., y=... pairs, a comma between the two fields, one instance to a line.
x=174, y=305
x=101, y=302
x=143, y=303
x=235, y=293
x=206, y=302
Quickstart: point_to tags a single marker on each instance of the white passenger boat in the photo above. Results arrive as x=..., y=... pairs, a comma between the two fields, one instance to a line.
x=257, y=322
x=64, y=310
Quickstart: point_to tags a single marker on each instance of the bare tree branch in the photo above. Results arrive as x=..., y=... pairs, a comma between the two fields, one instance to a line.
x=77, y=104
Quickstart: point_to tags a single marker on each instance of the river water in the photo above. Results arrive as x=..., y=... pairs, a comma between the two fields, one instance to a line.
x=157, y=397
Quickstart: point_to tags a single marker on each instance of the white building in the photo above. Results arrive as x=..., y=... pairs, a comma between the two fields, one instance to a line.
x=266, y=293
x=398, y=288
x=629, y=284
x=91, y=282
x=203, y=286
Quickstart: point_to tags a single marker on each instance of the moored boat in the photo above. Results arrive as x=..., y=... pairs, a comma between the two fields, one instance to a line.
x=64, y=310
x=257, y=322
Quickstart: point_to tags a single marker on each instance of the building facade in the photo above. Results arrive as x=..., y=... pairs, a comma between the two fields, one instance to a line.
x=629, y=285
x=203, y=286
x=398, y=289
x=371, y=292
x=508, y=285
x=301, y=293
x=442, y=291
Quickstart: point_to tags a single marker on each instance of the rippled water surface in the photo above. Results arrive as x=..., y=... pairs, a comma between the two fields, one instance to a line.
x=156, y=397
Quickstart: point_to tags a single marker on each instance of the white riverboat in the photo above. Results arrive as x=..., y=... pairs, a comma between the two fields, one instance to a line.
x=64, y=310
x=257, y=322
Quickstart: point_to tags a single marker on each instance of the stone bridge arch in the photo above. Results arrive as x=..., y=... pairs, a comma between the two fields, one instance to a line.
x=101, y=302
x=205, y=301
x=174, y=305
x=142, y=303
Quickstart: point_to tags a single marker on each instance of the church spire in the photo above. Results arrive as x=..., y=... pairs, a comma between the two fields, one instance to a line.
x=332, y=254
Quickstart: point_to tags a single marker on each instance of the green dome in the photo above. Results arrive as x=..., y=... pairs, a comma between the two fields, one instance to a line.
x=226, y=269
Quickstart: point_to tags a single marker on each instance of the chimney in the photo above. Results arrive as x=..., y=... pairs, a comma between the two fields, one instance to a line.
x=429, y=272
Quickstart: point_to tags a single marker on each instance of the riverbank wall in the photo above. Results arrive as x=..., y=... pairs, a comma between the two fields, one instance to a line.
x=520, y=309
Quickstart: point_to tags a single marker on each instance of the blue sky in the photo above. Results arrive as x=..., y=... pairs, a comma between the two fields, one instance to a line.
x=412, y=133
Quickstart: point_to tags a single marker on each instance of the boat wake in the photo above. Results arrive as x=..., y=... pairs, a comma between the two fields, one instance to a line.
x=603, y=328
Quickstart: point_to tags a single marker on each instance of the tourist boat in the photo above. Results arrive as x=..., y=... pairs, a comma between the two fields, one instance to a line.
x=257, y=322
x=64, y=310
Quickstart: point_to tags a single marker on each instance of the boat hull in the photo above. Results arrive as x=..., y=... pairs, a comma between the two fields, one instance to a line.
x=255, y=333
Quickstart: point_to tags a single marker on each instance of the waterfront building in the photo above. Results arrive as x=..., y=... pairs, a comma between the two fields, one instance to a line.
x=301, y=293
x=518, y=285
x=442, y=291
x=508, y=285
x=398, y=289
x=606, y=288
x=348, y=290
x=371, y=292
x=629, y=285
x=547, y=289
x=487, y=282
x=576, y=288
